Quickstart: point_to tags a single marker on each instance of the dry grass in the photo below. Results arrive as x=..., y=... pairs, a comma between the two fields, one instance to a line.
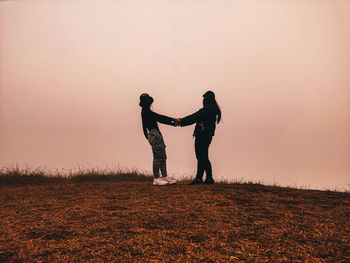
x=15, y=176
x=133, y=221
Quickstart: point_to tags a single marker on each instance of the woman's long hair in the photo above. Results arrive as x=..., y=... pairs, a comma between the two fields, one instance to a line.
x=209, y=98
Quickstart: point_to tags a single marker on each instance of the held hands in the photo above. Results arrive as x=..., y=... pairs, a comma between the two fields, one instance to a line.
x=177, y=122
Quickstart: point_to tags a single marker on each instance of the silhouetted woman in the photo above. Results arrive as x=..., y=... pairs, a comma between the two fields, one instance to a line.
x=155, y=138
x=205, y=119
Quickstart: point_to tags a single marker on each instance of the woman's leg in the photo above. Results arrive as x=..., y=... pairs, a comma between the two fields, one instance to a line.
x=202, y=144
x=208, y=168
x=198, y=146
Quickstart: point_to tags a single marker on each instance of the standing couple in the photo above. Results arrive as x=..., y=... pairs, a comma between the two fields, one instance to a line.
x=205, y=119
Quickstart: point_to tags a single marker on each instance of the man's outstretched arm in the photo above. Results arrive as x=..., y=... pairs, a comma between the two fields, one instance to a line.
x=163, y=119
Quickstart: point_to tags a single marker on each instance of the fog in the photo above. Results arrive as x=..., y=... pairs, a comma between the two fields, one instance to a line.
x=71, y=73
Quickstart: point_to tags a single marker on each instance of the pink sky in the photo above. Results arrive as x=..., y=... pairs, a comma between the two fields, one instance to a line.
x=71, y=73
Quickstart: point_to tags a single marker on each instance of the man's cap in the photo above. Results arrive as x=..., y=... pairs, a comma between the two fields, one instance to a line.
x=145, y=99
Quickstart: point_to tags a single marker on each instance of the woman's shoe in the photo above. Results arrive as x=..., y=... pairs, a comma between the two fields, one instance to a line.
x=196, y=182
x=209, y=181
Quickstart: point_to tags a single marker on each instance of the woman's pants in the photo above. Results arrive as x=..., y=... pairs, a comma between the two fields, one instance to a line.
x=202, y=144
x=156, y=141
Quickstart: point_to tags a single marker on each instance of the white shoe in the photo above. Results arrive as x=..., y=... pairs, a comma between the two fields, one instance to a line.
x=169, y=180
x=159, y=181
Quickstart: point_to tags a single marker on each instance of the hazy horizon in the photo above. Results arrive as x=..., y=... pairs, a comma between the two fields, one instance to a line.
x=71, y=74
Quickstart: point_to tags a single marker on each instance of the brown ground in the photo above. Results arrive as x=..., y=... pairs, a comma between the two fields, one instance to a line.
x=135, y=221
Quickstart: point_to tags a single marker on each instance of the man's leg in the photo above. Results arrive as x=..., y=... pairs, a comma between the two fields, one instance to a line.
x=156, y=166
x=161, y=153
x=162, y=165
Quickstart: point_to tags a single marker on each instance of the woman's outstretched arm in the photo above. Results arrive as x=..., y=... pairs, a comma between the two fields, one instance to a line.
x=193, y=118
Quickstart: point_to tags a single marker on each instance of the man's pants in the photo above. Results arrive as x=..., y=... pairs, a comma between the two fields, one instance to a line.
x=155, y=139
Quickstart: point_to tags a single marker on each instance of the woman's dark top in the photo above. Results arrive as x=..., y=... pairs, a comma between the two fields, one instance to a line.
x=150, y=119
x=205, y=119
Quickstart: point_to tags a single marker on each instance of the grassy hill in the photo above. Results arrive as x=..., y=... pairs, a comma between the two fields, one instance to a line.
x=106, y=218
